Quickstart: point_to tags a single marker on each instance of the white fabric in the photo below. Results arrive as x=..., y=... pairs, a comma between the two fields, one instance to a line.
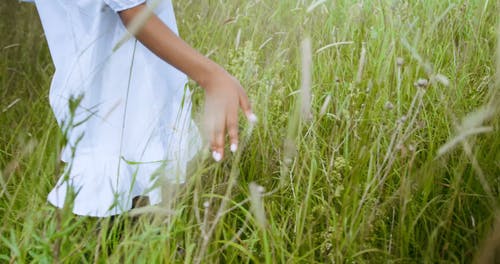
x=133, y=127
x=119, y=5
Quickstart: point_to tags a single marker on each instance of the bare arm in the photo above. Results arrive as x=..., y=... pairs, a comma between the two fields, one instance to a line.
x=223, y=93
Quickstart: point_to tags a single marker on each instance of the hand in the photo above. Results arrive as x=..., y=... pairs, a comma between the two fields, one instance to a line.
x=224, y=94
x=223, y=97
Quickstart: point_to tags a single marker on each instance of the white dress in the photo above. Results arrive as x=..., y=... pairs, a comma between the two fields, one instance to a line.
x=132, y=128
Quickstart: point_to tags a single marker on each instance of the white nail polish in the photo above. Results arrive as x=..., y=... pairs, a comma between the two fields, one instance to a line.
x=252, y=118
x=217, y=156
x=234, y=147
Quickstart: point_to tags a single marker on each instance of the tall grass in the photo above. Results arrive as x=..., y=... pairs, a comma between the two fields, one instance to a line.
x=377, y=140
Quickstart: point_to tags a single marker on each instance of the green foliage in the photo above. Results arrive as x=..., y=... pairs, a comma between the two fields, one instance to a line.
x=360, y=182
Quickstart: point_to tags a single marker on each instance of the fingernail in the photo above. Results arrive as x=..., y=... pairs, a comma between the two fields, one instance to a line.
x=217, y=156
x=234, y=147
x=252, y=118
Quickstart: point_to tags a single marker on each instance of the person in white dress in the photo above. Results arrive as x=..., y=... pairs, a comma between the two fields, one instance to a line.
x=123, y=102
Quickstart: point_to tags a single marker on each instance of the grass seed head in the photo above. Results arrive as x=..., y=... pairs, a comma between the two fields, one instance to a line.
x=412, y=148
x=422, y=83
x=400, y=62
x=257, y=204
x=442, y=80
x=389, y=106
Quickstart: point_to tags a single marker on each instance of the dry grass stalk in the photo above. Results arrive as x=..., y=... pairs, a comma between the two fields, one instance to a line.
x=137, y=23
x=306, y=86
x=325, y=105
x=490, y=249
x=314, y=5
x=362, y=63
x=257, y=204
x=331, y=45
x=208, y=227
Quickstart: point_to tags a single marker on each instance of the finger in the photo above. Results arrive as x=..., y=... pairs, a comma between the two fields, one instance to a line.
x=214, y=123
x=217, y=141
x=247, y=108
x=232, y=130
x=218, y=145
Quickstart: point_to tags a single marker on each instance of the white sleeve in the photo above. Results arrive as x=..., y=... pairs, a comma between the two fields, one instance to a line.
x=119, y=5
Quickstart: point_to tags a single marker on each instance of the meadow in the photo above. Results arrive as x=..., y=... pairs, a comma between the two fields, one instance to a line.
x=377, y=142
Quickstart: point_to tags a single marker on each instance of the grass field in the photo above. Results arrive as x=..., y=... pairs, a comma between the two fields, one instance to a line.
x=378, y=140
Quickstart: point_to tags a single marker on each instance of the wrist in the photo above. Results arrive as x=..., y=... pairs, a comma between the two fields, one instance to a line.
x=208, y=72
